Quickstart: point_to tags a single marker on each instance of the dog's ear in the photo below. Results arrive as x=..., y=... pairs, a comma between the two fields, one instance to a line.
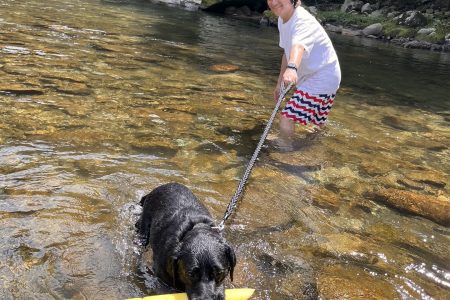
x=172, y=266
x=187, y=224
x=231, y=259
x=142, y=202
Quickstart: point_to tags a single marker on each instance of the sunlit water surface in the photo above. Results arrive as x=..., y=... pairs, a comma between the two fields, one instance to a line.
x=102, y=101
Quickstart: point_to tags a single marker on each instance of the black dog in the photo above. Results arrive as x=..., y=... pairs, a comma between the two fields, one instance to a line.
x=187, y=253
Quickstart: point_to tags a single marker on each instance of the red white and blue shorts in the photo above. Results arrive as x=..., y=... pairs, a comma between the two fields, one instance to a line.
x=305, y=108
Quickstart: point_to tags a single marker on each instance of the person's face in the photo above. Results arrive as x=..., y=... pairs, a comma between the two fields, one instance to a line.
x=280, y=7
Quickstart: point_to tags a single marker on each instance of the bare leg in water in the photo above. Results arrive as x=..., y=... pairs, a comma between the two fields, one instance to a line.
x=287, y=128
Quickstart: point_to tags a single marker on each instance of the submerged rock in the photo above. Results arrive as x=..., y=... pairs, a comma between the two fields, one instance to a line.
x=349, y=282
x=433, y=178
x=224, y=68
x=434, y=208
x=19, y=89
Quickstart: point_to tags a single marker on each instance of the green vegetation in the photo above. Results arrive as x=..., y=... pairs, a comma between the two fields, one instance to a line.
x=346, y=19
x=390, y=27
x=270, y=16
x=442, y=29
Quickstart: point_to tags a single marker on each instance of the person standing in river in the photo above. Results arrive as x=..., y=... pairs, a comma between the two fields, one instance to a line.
x=310, y=62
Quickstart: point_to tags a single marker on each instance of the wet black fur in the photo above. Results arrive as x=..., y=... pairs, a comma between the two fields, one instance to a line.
x=187, y=253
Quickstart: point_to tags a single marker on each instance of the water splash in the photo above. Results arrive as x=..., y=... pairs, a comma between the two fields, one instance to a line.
x=125, y=242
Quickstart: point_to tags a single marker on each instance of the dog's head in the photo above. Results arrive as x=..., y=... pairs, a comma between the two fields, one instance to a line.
x=202, y=263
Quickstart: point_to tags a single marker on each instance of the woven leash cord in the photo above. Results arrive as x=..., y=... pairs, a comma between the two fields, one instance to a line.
x=237, y=194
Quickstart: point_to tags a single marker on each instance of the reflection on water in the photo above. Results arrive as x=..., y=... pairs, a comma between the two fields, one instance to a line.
x=101, y=101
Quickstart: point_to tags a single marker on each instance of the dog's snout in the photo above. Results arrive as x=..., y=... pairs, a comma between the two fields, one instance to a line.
x=205, y=297
x=207, y=293
x=220, y=297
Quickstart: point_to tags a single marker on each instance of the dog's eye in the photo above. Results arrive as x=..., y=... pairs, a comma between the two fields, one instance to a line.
x=194, y=273
x=219, y=276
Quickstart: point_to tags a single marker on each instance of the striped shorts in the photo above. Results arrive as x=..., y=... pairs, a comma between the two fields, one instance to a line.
x=305, y=108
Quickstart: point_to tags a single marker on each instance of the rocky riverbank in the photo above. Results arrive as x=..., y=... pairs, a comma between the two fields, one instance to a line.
x=420, y=24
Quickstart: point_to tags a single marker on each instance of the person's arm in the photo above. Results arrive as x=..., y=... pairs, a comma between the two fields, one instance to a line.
x=295, y=59
x=288, y=75
x=276, y=93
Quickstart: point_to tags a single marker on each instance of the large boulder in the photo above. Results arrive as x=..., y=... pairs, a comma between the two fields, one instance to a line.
x=428, y=206
x=374, y=29
x=412, y=19
x=350, y=5
x=426, y=31
x=366, y=8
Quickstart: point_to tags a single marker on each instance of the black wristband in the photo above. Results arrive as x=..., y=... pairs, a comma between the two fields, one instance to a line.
x=292, y=66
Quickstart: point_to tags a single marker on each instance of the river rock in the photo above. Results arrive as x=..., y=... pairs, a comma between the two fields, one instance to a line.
x=377, y=13
x=393, y=14
x=245, y=10
x=231, y=10
x=333, y=28
x=324, y=198
x=447, y=38
x=412, y=19
x=224, y=68
x=426, y=31
x=313, y=10
x=187, y=4
x=431, y=207
x=351, y=282
x=366, y=8
x=351, y=32
x=403, y=124
x=411, y=184
x=73, y=88
x=351, y=5
x=374, y=29
x=433, y=178
x=345, y=5
x=19, y=89
x=417, y=45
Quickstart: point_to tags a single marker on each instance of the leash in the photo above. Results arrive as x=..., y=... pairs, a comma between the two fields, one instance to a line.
x=232, y=205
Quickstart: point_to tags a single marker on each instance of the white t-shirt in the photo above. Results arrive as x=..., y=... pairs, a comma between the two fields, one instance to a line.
x=319, y=71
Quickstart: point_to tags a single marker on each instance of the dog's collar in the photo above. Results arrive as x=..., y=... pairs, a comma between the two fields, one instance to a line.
x=217, y=229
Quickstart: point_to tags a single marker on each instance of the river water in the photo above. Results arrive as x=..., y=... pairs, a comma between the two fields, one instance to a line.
x=101, y=101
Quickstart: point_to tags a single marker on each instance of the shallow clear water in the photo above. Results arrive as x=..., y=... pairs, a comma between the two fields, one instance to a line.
x=101, y=101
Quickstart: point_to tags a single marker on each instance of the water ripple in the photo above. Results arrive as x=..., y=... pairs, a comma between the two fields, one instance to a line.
x=438, y=276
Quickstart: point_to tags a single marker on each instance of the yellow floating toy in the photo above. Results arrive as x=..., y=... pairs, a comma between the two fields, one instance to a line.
x=230, y=294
